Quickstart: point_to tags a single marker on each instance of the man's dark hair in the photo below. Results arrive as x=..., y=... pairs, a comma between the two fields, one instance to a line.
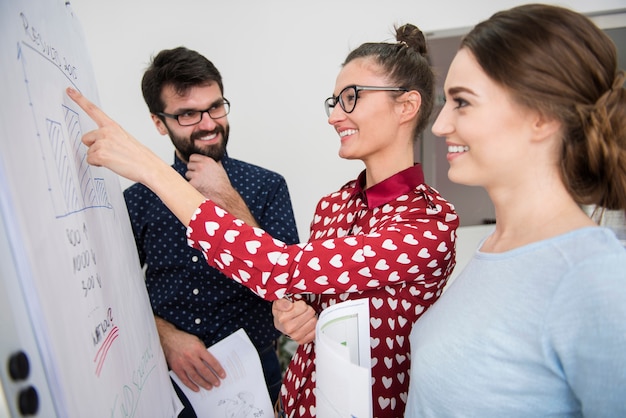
x=181, y=68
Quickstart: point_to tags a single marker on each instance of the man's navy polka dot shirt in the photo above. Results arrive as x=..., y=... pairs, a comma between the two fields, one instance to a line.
x=184, y=290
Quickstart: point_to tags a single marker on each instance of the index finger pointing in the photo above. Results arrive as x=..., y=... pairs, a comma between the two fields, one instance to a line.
x=90, y=109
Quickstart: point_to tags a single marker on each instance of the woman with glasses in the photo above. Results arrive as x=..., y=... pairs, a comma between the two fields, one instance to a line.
x=385, y=236
x=535, y=325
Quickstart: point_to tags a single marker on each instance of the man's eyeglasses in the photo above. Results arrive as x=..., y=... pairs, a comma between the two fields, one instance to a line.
x=193, y=117
x=348, y=96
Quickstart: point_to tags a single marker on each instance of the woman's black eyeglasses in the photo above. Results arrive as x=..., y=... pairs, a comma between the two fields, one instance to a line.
x=348, y=96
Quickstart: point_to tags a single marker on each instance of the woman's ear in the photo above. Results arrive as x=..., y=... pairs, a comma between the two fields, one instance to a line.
x=160, y=125
x=545, y=127
x=411, y=103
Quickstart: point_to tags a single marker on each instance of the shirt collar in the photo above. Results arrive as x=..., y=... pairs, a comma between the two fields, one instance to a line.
x=391, y=188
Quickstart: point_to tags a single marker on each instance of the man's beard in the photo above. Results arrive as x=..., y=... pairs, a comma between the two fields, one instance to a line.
x=185, y=146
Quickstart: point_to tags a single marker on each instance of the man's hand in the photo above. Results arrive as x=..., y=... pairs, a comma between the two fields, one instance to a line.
x=188, y=357
x=209, y=178
x=296, y=319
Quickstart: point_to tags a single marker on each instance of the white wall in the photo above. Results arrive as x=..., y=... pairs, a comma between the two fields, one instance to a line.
x=279, y=60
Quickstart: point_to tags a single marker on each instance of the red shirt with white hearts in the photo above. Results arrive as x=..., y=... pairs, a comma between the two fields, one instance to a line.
x=392, y=243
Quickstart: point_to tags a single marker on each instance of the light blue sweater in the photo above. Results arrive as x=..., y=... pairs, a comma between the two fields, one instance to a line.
x=534, y=332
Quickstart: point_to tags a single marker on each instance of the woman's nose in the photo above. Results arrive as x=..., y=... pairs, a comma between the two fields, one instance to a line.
x=442, y=125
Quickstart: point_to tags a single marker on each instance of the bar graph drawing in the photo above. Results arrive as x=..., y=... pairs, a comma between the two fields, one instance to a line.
x=72, y=186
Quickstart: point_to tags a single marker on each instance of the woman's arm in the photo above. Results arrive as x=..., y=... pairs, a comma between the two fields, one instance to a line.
x=418, y=250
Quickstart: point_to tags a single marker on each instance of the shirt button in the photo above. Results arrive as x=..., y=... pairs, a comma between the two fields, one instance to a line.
x=196, y=291
x=194, y=258
x=197, y=321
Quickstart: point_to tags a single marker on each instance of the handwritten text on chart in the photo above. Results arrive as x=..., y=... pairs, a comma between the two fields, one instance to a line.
x=104, y=327
x=84, y=260
x=125, y=404
x=37, y=41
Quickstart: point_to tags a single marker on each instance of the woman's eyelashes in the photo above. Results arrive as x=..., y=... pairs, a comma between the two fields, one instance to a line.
x=460, y=102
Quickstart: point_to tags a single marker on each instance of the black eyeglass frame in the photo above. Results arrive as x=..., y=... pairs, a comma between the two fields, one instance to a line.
x=337, y=99
x=224, y=103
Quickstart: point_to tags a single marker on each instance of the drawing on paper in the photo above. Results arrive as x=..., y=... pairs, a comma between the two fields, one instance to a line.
x=241, y=407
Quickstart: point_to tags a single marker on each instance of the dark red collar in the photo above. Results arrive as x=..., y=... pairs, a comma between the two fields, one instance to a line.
x=389, y=189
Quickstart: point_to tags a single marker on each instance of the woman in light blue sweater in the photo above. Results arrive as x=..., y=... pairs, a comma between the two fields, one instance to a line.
x=535, y=325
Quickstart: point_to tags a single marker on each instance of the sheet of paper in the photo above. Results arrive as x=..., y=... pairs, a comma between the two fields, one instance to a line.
x=243, y=394
x=343, y=361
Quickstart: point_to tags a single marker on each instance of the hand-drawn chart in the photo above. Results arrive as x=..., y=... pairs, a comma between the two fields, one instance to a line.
x=78, y=283
x=73, y=188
